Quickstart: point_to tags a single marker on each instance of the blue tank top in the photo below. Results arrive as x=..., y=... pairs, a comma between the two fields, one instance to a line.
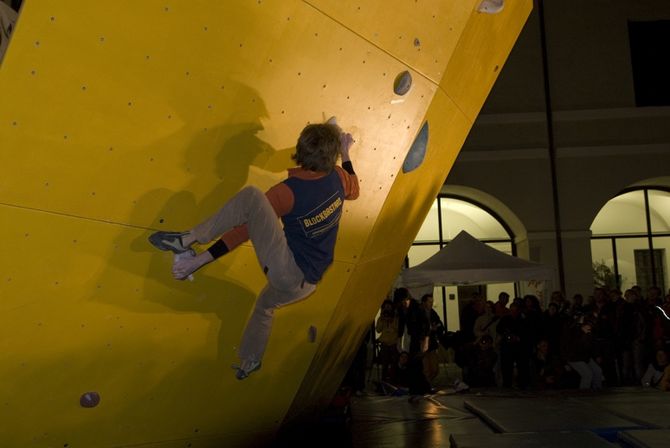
x=311, y=226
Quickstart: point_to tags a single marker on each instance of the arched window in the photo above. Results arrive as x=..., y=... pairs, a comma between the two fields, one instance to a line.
x=449, y=215
x=630, y=239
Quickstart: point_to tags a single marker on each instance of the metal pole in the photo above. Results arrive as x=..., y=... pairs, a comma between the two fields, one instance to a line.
x=444, y=290
x=616, y=264
x=647, y=215
x=551, y=146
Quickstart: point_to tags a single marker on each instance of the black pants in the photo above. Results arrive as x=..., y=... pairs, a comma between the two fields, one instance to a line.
x=511, y=354
x=418, y=384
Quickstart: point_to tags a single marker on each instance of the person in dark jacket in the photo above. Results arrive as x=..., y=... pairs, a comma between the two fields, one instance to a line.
x=398, y=379
x=552, y=328
x=431, y=330
x=547, y=369
x=481, y=359
x=580, y=356
x=408, y=320
x=387, y=327
x=514, y=348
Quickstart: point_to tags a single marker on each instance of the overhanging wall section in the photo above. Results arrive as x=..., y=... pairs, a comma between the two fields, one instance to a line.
x=470, y=74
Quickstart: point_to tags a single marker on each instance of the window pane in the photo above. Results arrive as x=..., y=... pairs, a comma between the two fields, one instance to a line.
x=630, y=273
x=603, y=263
x=601, y=250
x=622, y=215
x=505, y=248
x=430, y=229
x=662, y=247
x=649, y=60
x=459, y=215
x=419, y=254
x=659, y=211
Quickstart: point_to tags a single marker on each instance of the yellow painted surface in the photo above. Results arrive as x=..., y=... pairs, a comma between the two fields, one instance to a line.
x=125, y=117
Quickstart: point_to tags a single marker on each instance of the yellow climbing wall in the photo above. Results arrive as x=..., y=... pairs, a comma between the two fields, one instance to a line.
x=125, y=117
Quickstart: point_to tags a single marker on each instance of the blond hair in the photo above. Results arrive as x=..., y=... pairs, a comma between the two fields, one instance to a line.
x=318, y=147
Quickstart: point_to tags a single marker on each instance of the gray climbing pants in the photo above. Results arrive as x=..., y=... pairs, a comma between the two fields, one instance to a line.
x=286, y=282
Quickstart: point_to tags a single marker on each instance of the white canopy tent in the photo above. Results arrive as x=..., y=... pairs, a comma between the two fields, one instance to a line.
x=467, y=261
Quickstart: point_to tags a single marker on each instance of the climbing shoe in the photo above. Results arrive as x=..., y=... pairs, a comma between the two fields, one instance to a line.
x=171, y=241
x=246, y=368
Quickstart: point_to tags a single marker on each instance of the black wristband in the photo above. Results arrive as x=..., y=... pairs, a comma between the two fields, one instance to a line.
x=348, y=167
x=218, y=249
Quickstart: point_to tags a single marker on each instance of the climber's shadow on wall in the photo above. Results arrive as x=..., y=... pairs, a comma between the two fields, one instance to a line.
x=216, y=164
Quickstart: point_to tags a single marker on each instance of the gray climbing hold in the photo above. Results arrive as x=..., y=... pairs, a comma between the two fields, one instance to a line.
x=417, y=152
x=491, y=6
x=89, y=400
x=402, y=83
x=311, y=334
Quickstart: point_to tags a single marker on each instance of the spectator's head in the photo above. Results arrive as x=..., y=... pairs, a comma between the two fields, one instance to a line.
x=630, y=296
x=557, y=296
x=552, y=309
x=427, y=301
x=387, y=307
x=403, y=359
x=599, y=296
x=531, y=303
x=662, y=359
x=503, y=298
x=615, y=295
x=318, y=147
x=401, y=297
x=542, y=347
x=654, y=295
x=515, y=310
x=578, y=300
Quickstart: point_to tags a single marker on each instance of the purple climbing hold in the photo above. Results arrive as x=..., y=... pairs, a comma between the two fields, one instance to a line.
x=312, y=334
x=89, y=400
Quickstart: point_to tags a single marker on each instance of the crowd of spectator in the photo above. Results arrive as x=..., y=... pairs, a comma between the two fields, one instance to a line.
x=610, y=339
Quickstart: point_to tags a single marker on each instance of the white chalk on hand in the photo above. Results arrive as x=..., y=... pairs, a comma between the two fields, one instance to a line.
x=187, y=254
